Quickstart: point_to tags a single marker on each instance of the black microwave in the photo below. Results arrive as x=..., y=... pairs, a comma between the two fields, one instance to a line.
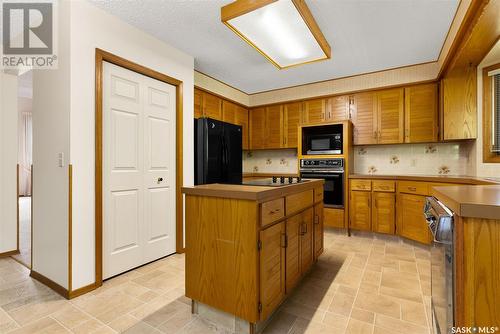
x=324, y=144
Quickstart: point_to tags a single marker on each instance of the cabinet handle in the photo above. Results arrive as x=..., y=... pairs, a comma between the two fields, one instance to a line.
x=374, y=134
x=272, y=212
x=316, y=219
x=284, y=240
x=379, y=134
x=375, y=204
x=412, y=189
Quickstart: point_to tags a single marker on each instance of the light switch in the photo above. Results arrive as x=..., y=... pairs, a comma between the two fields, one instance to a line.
x=61, y=159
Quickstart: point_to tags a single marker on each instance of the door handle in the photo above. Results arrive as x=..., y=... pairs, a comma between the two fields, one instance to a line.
x=160, y=179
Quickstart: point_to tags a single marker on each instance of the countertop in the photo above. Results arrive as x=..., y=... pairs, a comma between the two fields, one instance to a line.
x=248, y=192
x=461, y=179
x=473, y=201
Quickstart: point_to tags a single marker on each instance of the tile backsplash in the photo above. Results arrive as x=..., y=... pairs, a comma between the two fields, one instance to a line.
x=429, y=159
x=419, y=159
x=270, y=161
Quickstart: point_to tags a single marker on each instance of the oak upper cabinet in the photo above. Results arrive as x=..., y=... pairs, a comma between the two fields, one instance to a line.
x=306, y=241
x=318, y=234
x=292, y=113
x=272, y=268
x=235, y=114
x=390, y=113
x=274, y=126
x=212, y=106
x=458, y=92
x=337, y=108
x=363, y=109
x=198, y=108
x=293, y=230
x=257, y=118
x=360, y=210
x=314, y=111
x=411, y=223
x=421, y=113
x=384, y=212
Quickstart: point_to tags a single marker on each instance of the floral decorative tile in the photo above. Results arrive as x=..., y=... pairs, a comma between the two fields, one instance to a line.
x=394, y=159
x=430, y=149
x=444, y=170
x=255, y=169
x=361, y=151
x=372, y=170
x=249, y=154
x=269, y=161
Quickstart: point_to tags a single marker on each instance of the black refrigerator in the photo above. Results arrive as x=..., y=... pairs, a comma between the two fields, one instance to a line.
x=218, y=152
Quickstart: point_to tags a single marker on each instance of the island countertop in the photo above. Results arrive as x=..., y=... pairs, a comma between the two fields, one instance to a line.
x=471, y=201
x=250, y=192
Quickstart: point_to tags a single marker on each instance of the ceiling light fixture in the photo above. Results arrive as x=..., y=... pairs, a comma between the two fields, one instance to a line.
x=283, y=31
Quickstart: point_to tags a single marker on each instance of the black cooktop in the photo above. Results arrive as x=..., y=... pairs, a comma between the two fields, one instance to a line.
x=275, y=181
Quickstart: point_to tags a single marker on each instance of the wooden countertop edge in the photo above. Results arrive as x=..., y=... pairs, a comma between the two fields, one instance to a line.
x=268, y=193
x=429, y=178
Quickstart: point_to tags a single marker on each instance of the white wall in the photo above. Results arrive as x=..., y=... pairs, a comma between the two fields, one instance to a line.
x=51, y=115
x=484, y=169
x=93, y=28
x=8, y=162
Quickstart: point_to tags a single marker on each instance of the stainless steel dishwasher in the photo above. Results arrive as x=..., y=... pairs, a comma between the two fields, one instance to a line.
x=440, y=220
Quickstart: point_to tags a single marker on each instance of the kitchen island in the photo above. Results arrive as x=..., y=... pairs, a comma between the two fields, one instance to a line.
x=247, y=247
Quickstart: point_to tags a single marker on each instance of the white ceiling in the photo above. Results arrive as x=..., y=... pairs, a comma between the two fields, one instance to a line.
x=365, y=36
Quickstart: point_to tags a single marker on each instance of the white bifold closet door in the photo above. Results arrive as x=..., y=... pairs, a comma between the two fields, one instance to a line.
x=138, y=169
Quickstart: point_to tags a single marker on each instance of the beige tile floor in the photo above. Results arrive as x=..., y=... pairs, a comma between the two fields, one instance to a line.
x=362, y=284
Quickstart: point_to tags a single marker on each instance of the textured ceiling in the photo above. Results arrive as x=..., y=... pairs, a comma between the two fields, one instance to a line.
x=365, y=36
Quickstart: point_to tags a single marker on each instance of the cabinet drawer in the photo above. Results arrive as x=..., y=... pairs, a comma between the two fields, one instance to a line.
x=412, y=187
x=384, y=185
x=361, y=185
x=300, y=201
x=272, y=211
x=318, y=194
x=334, y=217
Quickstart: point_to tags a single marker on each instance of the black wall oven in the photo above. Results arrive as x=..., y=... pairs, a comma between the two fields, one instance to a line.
x=330, y=170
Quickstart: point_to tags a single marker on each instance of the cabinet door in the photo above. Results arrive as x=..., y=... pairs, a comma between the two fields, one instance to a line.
x=363, y=117
x=421, y=113
x=360, y=210
x=235, y=114
x=411, y=222
x=314, y=111
x=229, y=112
x=257, y=128
x=384, y=212
x=242, y=119
x=293, y=226
x=212, y=106
x=390, y=113
x=274, y=124
x=272, y=268
x=337, y=108
x=318, y=230
x=292, y=113
x=198, y=108
x=306, y=241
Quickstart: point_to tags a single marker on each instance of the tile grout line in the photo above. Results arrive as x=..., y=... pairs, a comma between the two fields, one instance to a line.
x=422, y=292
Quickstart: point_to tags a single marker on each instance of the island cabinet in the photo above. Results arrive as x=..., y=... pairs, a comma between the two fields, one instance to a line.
x=247, y=247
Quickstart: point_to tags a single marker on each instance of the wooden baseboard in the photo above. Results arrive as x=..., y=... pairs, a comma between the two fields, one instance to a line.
x=83, y=290
x=9, y=253
x=50, y=283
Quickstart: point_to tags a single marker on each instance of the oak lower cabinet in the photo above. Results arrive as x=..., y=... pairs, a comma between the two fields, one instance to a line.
x=411, y=223
x=383, y=212
x=293, y=231
x=306, y=241
x=318, y=235
x=360, y=210
x=272, y=267
x=247, y=248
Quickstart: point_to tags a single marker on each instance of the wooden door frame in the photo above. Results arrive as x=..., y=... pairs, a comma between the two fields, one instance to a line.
x=102, y=56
